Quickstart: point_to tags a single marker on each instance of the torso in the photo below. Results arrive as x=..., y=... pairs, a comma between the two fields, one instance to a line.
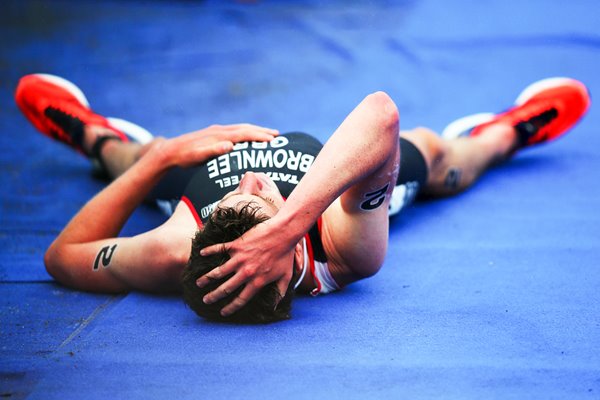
x=285, y=160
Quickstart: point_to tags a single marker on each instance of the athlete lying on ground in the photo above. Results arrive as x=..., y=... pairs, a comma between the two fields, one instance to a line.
x=255, y=215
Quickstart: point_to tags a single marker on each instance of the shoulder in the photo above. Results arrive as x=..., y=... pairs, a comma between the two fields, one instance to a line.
x=169, y=245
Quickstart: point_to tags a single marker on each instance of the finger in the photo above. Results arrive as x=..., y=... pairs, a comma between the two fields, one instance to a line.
x=216, y=149
x=260, y=136
x=224, y=290
x=255, y=134
x=256, y=128
x=217, y=273
x=245, y=135
x=240, y=301
x=204, y=152
x=253, y=127
x=270, y=131
x=216, y=249
x=282, y=286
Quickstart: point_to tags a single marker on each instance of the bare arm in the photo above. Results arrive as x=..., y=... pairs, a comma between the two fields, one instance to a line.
x=361, y=158
x=88, y=255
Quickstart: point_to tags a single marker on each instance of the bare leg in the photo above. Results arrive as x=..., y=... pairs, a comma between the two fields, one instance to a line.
x=117, y=156
x=456, y=164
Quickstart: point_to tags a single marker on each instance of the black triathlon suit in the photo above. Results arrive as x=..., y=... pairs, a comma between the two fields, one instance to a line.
x=285, y=160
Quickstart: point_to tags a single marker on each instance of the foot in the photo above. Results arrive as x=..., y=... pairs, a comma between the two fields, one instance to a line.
x=60, y=110
x=544, y=111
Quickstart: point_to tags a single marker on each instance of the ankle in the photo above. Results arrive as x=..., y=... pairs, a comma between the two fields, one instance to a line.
x=502, y=138
x=92, y=133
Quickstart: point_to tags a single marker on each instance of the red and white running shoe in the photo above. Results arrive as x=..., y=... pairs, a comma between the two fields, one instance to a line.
x=544, y=111
x=60, y=110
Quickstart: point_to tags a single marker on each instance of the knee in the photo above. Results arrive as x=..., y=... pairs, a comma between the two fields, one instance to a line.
x=52, y=264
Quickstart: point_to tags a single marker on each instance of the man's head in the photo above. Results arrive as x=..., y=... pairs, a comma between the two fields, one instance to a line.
x=257, y=188
x=254, y=201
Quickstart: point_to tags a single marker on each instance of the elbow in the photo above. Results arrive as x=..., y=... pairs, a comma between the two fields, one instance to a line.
x=386, y=118
x=363, y=270
x=52, y=263
x=371, y=270
x=385, y=109
x=375, y=263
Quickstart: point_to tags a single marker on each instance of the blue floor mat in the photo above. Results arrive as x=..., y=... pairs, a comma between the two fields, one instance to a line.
x=491, y=294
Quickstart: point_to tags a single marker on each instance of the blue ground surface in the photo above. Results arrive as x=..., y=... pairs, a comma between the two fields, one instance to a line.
x=493, y=294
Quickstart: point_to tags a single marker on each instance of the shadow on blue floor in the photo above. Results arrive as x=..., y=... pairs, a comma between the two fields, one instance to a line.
x=492, y=294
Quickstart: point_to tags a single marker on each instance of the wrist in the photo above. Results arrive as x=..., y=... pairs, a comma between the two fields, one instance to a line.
x=159, y=155
x=291, y=226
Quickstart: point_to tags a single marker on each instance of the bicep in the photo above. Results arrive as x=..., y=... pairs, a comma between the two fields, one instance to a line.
x=151, y=261
x=355, y=241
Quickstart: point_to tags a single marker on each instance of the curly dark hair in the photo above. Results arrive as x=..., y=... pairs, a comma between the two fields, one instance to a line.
x=225, y=225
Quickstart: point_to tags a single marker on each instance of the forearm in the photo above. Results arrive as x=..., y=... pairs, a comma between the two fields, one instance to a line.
x=106, y=213
x=88, y=255
x=358, y=149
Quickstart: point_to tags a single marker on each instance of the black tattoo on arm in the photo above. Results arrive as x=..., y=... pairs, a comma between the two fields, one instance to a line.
x=105, y=255
x=374, y=199
x=452, y=180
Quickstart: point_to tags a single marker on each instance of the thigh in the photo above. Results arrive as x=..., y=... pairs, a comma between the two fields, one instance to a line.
x=430, y=144
x=168, y=192
x=171, y=186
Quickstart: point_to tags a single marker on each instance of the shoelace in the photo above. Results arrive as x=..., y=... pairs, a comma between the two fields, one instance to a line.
x=527, y=129
x=71, y=125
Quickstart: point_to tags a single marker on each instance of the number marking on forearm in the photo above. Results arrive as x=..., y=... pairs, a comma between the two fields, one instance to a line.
x=105, y=255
